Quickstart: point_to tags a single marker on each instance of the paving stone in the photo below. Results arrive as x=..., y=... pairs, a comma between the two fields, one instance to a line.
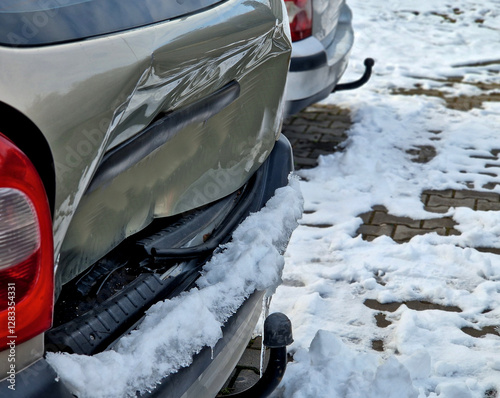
x=325, y=146
x=445, y=193
x=332, y=137
x=404, y=234
x=488, y=250
x=301, y=152
x=326, y=123
x=310, y=138
x=377, y=230
x=488, y=174
x=490, y=185
x=341, y=125
x=381, y=320
x=417, y=305
x=366, y=217
x=439, y=201
x=317, y=152
x=345, y=119
x=257, y=342
x=445, y=222
x=293, y=128
x=422, y=153
x=319, y=129
x=246, y=379
x=489, y=196
x=378, y=345
x=301, y=162
x=381, y=218
x=490, y=157
x=229, y=382
x=437, y=209
x=485, y=205
x=303, y=120
x=481, y=332
x=304, y=143
x=293, y=141
x=250, y=359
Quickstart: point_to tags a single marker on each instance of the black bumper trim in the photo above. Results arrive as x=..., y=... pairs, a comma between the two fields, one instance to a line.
x=132, y=151
x=178, y=383
x=36, y=381
x=314, y=61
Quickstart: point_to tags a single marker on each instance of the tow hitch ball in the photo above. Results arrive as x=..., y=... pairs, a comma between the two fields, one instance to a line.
x=277, y=335
x=369, y=62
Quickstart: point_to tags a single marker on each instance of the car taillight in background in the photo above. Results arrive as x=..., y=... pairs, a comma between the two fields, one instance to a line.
x=300, y=15
x=26, y=249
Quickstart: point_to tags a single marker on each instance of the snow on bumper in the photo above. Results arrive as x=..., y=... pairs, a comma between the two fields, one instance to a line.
x=174, y=330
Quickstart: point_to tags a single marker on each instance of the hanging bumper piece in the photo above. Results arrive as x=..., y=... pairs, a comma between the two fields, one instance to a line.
x=277, y=335
x=369, y=62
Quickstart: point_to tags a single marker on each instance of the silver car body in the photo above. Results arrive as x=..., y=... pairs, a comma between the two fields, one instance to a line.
x=91, y=97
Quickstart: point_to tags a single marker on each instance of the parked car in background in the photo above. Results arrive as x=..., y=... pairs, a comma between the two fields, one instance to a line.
x=135, y=137
x=322, y=36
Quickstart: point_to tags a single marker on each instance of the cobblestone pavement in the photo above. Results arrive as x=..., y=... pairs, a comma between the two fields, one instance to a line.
x=320, y=130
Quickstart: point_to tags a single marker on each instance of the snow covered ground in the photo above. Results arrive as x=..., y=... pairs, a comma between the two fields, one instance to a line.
x=445, y=50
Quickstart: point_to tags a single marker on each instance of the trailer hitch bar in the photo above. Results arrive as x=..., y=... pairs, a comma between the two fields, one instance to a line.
x=277, y=335
x=369, y=62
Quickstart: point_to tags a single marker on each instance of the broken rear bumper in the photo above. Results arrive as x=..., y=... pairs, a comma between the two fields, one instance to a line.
x=210, y=368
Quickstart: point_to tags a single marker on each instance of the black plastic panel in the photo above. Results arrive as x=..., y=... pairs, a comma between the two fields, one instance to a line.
x=38, y=380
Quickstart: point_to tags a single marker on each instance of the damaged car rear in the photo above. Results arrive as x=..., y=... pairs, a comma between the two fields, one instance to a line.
x=137, y=139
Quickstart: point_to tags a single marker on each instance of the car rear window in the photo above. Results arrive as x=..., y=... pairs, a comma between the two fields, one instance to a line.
x=39, y=22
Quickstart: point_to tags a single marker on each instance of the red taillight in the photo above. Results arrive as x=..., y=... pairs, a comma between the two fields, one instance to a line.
x=26, y=249
x=300, y=15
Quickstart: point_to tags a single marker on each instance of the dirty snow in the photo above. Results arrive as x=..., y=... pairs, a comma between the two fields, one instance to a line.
x=452, y=47
x=252, y=261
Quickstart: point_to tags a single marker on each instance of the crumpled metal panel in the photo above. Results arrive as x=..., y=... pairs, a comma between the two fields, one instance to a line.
x=90, y=96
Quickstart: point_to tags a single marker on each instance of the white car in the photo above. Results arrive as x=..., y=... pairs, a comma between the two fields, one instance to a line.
x=322, y=38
